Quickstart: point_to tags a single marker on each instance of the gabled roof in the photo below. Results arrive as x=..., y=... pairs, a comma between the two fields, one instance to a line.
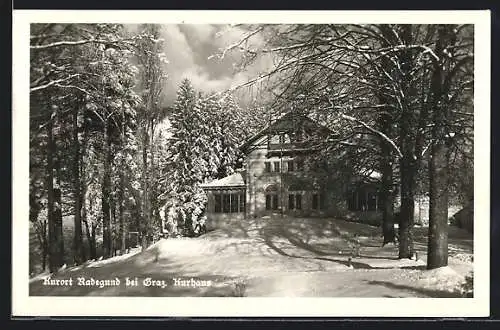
x=232, y=181
x=283, y=123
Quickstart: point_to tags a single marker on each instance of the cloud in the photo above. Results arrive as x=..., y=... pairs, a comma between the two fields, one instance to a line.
x=188, y=49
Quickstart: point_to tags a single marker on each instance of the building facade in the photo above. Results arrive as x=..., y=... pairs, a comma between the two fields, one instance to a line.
x=279, y=178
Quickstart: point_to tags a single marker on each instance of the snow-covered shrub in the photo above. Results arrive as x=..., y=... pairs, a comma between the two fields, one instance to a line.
x=169, y=221
x=200, y=227
x=185, y=216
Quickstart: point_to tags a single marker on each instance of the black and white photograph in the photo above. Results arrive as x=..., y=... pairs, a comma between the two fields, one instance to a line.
x=295, y=159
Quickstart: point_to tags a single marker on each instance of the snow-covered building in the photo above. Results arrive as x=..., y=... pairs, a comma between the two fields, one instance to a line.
x=277, y=178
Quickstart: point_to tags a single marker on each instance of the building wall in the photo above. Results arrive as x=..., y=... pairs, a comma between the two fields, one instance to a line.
x=305, y=182
x=421, y=212
x=219, y=220
x=258, y=180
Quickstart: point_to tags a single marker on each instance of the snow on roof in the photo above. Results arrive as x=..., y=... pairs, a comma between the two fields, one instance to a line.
x=233, y=180
x=375, y=175
x=372, y=174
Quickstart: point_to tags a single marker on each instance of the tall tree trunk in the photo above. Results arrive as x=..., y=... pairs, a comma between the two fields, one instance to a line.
x=91, y=239
x=113, y=226
x=50, y=197
x=78, y=248
x=407, y=210
x=387, y=191
x=54, y=215
x=93, y=246
x=145, y=188
x=45, y=245
x=153, y=203
x=58, y=211
x=83, y=186
x=386, y=195
x=408, y=164
x=437, y=249
x=106, y=193
x=121, y=212
x=121, y=192
x=437, y=255
x=39, y=226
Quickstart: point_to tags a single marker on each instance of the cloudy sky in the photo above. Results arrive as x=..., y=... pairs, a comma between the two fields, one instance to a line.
x=188, y=49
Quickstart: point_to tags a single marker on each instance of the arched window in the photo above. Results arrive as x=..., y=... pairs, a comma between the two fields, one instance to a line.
x=272, y=188
x=271, y=192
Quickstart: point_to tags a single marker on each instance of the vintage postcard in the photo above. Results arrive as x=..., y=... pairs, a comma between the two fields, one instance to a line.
x=251, y=163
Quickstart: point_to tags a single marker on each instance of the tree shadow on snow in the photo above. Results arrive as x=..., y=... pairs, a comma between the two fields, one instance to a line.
x=421, y=291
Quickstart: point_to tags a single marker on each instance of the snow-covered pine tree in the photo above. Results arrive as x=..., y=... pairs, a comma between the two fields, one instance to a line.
x=184, y=166
x=231, y=131
x=152, y=76
x=204, y=146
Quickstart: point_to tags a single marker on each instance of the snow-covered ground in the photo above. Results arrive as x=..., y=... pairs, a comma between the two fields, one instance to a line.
x=275, y=257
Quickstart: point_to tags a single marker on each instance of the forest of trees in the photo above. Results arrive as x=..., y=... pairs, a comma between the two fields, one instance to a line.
x=409, y=86
x=106, y=151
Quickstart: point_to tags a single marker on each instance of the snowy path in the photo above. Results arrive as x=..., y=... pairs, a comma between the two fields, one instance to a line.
x=274, y=260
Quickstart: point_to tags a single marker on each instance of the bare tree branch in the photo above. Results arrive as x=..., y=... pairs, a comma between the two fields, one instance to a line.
x=53, y=82
x=375, y=131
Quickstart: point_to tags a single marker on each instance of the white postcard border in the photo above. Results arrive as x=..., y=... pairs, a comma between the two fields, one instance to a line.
x=24, y=305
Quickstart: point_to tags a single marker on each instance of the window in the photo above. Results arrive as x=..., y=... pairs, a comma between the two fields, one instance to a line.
x=229, y=202
x=295, y=201
x=271, y=197
x=272, y=166
x=267, y=169
x=271, y=202
x=291, y=202
x=268, y=202
x=218, y=203
x=242, y=202
x=300, y=165
x=318, y=201
x=315, y=201
x=296, y=165
x=363, y=200
x=298, y=202
x=226, y=203
x=372, y=201
x=276, y=166
x=234, y=203
x=298, y=135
